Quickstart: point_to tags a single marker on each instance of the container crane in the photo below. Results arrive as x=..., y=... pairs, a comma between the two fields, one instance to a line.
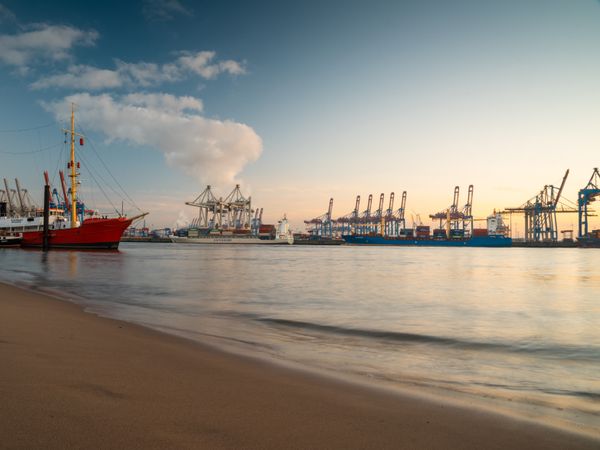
x=347, y=224
x=9, y=200
x=467, y=213
x=377, y=220
x=238, y=210
x=587, y=195
x=20, y=197
x=400, y=215
x=365, y=218
x=540, y=213
x=390, y=220
x=63, y=185
x=449, y=218
x=323, y=225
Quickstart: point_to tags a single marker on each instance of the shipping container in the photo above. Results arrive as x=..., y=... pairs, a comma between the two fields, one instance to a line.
x=457, y=234
x=439, y=233
x=266, y=229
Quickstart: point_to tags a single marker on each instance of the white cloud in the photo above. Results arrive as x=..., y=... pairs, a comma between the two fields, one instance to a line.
x=211, y=150
x=164, y=102
x=43, y=42
x=233, y=67
x=163, y=10
x=81, y=77
x=147, y=74
x=141, y=74
x=199, y=63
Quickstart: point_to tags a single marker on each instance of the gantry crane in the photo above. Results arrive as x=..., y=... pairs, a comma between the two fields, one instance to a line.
x=376, y=221
x=467, y=213
x=347, y=224
x=448, y=217
x=365, y=218
x=322, y=226
x=540, y=213
x=235, y=212
x=587, y=195
x=389, y=228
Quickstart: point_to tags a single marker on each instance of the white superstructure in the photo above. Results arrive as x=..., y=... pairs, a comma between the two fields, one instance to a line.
x=496, y=226
x=19, y=224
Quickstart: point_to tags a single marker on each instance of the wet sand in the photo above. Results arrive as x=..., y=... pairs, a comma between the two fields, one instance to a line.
x=69, y=379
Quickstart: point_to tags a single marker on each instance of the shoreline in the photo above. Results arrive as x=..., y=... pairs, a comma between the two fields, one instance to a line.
x=532, y=410
x=70, y=378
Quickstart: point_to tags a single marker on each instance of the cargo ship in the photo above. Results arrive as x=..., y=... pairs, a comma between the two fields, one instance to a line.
x=492, y=236
x=231, y=220
x=269, y=236
x=304, y=239
x=68, y=226
x=590, y=240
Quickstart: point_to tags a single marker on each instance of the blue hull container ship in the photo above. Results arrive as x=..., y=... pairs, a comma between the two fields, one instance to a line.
x=455, y=227
x=450, y=236
x=475, y=241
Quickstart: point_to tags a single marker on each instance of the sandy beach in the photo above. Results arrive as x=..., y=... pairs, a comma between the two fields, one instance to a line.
x=69, y=379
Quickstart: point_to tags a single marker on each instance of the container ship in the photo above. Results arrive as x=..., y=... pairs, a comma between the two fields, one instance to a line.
x=455, y=226
x=231, y=220
x=492, y=236
x=270, y=235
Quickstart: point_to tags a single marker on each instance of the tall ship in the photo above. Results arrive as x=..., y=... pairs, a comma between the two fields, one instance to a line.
x=453, y=226
x=68, y=223
x=231, y=220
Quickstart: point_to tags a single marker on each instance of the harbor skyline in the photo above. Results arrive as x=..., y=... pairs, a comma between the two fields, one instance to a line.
x=264, y=225
x=307, y=103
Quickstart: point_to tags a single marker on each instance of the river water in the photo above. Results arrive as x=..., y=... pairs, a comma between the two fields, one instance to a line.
x=517, y=327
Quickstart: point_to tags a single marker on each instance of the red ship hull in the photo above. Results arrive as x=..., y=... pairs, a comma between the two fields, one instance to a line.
x=92, y=234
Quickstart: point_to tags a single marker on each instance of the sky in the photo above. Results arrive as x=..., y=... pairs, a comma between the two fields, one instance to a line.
x=302, y=101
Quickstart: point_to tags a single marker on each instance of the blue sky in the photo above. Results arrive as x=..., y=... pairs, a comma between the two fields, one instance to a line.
x=300, y=101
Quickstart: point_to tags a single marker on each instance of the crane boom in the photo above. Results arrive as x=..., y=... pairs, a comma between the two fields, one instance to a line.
x=20, y=196
x=562, y=185
x=330, y=210
x=369, y=204
x=9, y=200
x=402, y=205
x=391, y=205
x=64, y=188
x=455, y=200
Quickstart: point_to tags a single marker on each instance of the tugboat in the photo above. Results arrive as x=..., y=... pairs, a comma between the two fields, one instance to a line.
x=94, y=232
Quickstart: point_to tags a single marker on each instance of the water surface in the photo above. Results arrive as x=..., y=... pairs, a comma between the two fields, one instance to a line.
x=520, y=326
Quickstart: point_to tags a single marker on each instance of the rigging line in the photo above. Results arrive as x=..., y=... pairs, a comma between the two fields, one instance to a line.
x=59, y=160
x=131, y=201
x=100, y=187
x=32, y=151
x=89, y=167
x=90, y=171
x=20, y=130
x=110, y=173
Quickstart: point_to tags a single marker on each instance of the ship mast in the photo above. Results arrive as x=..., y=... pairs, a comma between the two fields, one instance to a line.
x=73, y=166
